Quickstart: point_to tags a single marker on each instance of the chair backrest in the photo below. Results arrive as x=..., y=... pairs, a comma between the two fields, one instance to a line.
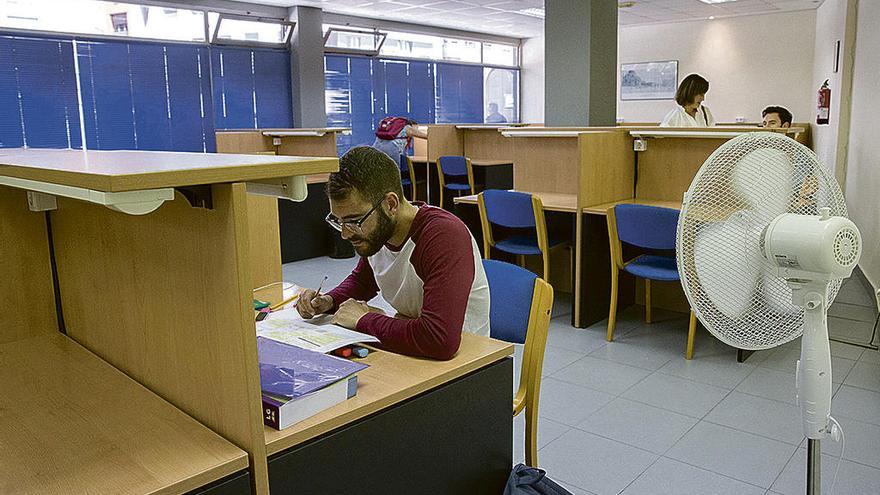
x=519, y=312
x=453, y=165
x=511, y=209
x=650, y=227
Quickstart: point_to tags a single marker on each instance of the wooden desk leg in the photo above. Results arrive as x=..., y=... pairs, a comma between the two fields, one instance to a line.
x=594, y=274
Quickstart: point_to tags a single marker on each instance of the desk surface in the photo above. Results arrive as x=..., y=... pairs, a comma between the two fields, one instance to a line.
x=603, y=208
x=476, y=162
x=552, y=201
x=390, y=379
x=116, y=171
x=71, y=423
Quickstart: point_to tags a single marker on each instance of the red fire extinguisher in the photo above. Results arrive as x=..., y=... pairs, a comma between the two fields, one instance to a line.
x=824, y=107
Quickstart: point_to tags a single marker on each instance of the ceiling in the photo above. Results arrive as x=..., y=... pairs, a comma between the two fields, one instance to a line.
x=513, y=17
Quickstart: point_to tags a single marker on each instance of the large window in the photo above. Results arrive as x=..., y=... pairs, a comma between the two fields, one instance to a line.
x=103, y=18
x=431, y=79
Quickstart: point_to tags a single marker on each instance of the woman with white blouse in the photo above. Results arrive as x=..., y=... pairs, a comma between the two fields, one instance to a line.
x=690, y=111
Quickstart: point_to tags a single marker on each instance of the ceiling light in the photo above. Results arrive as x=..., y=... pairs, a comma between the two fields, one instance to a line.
x=716, y=1
x=533, y=12
x=711, y=17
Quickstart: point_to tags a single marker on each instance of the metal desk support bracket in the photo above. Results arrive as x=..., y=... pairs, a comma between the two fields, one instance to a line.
x=41, y=196
x=293, y=188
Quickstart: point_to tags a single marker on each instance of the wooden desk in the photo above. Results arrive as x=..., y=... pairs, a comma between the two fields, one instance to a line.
x=71, y=423
x=443, y=424
x=566, y=203
x=602, y=209
x=164, y=297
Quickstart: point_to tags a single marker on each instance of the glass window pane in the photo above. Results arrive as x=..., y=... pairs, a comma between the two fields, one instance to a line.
x=461, y=50
x=103, y=18
x=344, y=39
x=500, y=95
x=411, y=45
x=241, y=30
x=499, y=54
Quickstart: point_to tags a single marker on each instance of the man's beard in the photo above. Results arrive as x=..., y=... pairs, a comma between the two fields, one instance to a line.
x=371, y=245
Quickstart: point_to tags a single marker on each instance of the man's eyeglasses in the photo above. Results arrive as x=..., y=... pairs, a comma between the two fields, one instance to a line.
x=353, y=226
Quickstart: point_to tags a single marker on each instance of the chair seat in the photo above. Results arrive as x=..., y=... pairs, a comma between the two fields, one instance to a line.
x=653, y=267
x=523, y=244
x=458, y=187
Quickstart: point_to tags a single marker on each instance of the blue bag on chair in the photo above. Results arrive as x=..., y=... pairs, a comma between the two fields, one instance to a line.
x=525, y=480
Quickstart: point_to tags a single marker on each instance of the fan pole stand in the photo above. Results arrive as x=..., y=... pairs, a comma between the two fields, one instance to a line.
x=814, y=465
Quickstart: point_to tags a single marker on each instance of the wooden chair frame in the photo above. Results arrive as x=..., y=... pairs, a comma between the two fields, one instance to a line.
x=540, y=227
x=529, y=391
x=442, y=180
x=617, y=264
x=412, y=176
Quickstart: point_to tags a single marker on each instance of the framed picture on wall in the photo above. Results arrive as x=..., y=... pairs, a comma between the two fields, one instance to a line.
x=649, y=80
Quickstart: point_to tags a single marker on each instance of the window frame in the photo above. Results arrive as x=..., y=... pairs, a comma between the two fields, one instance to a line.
x=249, y=43
x=354, y=51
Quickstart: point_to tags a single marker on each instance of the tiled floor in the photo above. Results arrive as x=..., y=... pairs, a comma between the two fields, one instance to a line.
x=634, y=417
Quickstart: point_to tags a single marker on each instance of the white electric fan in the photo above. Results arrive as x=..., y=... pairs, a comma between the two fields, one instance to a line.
x=762, y=246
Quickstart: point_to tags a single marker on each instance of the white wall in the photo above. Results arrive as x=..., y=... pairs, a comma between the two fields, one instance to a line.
x=533, y=80
x=750, y=62
x=830, y=27
x=863, y=157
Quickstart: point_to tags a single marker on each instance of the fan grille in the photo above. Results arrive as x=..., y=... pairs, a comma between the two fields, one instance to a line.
x=846, y=247
x=741, y=187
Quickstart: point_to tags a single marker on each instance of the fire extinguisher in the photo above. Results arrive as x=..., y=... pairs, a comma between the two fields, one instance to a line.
x=824, y=107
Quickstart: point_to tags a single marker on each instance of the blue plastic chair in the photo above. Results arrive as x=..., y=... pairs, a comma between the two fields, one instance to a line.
x=648, y=227
x=515, y=210
x=519, y=312
x=407, y=174
x=451, y=171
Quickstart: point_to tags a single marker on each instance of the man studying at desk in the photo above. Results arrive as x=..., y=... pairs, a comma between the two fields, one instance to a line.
x=422, y=259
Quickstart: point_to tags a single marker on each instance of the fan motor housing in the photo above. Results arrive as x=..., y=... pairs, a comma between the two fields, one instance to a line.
x=820, y=245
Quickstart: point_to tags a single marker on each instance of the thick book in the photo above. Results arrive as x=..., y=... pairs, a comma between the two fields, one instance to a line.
x=280, y=413
x=299, y=383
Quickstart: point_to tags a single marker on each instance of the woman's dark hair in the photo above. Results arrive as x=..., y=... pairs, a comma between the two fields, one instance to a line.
x=368, y=171
x=689, y=88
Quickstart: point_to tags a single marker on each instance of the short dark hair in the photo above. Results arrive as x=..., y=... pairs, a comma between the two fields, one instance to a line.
x=368, y=171
x=689, y=88
x=784, y=115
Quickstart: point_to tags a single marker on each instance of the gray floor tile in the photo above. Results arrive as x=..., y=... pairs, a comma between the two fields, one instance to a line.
x=599, y=374
x=870, y=356
x=564, y=336
x=864, y=375
x=567, y=403
x=556, y=358
x=850, y=330
x=573, y=489
x=639, y=425
x=768, y=418
x=720, y=369
x=770, y=384
x=596, y=464
x=785, y=360
x=743, y=456
x=846, y=351
x=548, y=431
x=677, y=394
x=857, y=403
x=862, y=442
x=644, y=350
x=853, y=311
x=853, y=479
x=671, y=477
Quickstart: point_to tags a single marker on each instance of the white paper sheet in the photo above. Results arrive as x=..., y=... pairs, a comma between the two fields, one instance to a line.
x=317, y=334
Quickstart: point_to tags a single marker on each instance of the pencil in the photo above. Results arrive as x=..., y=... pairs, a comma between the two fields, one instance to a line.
x=282, y=303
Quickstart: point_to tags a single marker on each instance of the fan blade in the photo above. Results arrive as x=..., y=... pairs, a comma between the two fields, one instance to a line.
x=762, y=178
x=728, y=264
